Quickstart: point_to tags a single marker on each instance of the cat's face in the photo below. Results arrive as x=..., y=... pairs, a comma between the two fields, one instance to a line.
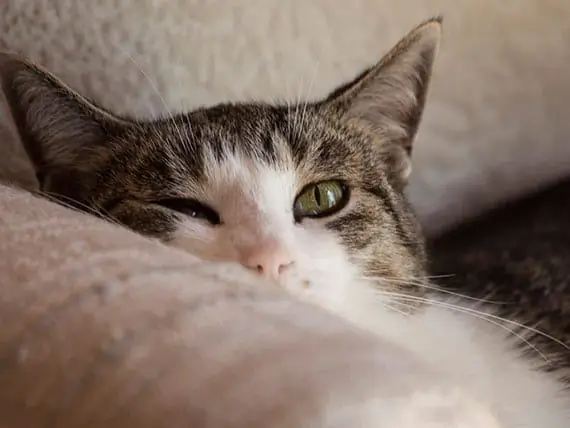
x=309, y=196
x=305, y=204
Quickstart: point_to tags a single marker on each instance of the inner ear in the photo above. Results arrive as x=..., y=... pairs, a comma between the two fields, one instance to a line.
x=388, y=99
x=56, y=124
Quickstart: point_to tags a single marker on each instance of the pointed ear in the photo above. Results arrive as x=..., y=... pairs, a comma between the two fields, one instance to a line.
x=56, y=124
x=388, y=99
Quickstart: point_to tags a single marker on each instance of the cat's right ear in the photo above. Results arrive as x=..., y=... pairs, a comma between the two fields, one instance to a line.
x=56, y=124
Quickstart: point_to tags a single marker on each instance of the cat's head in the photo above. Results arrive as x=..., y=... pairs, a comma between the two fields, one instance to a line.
x=308, y=195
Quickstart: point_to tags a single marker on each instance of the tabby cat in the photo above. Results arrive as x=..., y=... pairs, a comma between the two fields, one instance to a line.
x=309, y=196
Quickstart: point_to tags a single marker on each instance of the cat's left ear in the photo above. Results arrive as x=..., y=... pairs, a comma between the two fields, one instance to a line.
x=389, y=98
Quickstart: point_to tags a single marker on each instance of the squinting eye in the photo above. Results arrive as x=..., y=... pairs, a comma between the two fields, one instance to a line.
x=191, y=208
x=321, y=199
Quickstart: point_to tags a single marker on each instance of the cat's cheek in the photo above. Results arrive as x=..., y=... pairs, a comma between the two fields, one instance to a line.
x=322, y=273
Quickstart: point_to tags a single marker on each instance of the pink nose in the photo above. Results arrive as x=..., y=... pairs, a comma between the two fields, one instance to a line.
x=269, y=260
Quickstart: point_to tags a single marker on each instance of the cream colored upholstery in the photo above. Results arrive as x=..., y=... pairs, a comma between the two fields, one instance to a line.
x=101, y=328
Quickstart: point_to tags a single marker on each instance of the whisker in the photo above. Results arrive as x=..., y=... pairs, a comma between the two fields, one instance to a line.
x=491, y=318
x=445, y=275
x=189, y=129
x=477, y=313
x=71, y=203
x=308, y=96
x=434, y=288
x=395, y=309
x=169, y=115
x=365, y=258
x=427, y=284
x=288, y=104
x=296, y=129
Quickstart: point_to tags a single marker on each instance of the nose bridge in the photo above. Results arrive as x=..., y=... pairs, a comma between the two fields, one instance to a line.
x=256, y=226
x=261, y=238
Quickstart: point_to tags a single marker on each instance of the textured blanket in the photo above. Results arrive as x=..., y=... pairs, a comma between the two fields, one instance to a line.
x=100, y=327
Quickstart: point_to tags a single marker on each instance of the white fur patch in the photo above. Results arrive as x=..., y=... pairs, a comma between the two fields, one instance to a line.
x=255, y=203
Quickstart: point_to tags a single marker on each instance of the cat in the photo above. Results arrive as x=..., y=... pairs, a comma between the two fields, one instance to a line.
x=309, y=196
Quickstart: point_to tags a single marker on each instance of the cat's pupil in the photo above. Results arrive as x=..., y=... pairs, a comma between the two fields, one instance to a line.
x=317, y=194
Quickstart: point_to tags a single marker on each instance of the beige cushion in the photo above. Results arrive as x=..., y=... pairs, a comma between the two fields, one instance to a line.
x=100, y=327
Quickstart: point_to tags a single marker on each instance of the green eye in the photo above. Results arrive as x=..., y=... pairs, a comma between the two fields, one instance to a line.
x=320, y=199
